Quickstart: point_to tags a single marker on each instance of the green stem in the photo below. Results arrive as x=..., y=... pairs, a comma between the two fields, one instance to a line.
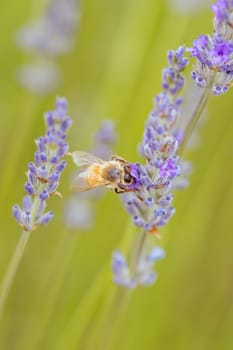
x=119, y=305
x=137, y=251
x=12, y=269
x=194, y=120
x=119, y=302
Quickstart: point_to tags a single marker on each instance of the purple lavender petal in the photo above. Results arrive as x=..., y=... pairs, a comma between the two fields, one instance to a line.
x=62, y=105
x=32, y=168
x=17, y=213
x=27, y=203
x=45, y=218
x=138, y=221
x=44, y=195
x=148, y=278
x=29, y=188
x=118, y=262
x=61, y=166
x=155, y=254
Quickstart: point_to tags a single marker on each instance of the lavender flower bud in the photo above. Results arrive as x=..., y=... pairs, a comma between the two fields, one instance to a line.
x=45, y=218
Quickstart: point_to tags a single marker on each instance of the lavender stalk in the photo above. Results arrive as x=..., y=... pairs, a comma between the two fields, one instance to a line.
x=150, y=204
x=12, y=269
x=43, y=178
x=193, y=121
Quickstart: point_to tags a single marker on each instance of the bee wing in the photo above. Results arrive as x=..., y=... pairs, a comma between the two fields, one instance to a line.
x=84, y=159
x=80, y=184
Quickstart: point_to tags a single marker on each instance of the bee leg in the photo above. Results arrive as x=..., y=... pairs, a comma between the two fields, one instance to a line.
x=119, y=159
x=118, y=191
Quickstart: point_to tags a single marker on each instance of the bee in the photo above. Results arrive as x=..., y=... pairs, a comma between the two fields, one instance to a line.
x=94, y=172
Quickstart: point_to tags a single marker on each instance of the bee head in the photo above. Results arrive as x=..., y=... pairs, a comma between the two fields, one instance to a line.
x=130, y=180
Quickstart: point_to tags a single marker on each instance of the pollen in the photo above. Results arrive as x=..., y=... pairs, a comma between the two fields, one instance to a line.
x=154, y=231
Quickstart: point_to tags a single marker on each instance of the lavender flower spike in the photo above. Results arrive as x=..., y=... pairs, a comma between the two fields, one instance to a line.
x=44, y=173
x=150, y=205
x=150, y=202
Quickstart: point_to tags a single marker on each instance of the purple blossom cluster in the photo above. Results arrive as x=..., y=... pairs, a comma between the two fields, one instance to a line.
x=150, y=203
x=40, y=77
x=187, y=7
x=214, y=53
x=223, y=20
x=44, y=173
x=104, y=140
x=51, y=35
x=143, y=273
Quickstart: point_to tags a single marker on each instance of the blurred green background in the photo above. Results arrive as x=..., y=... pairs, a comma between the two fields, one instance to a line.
x=63, y=297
